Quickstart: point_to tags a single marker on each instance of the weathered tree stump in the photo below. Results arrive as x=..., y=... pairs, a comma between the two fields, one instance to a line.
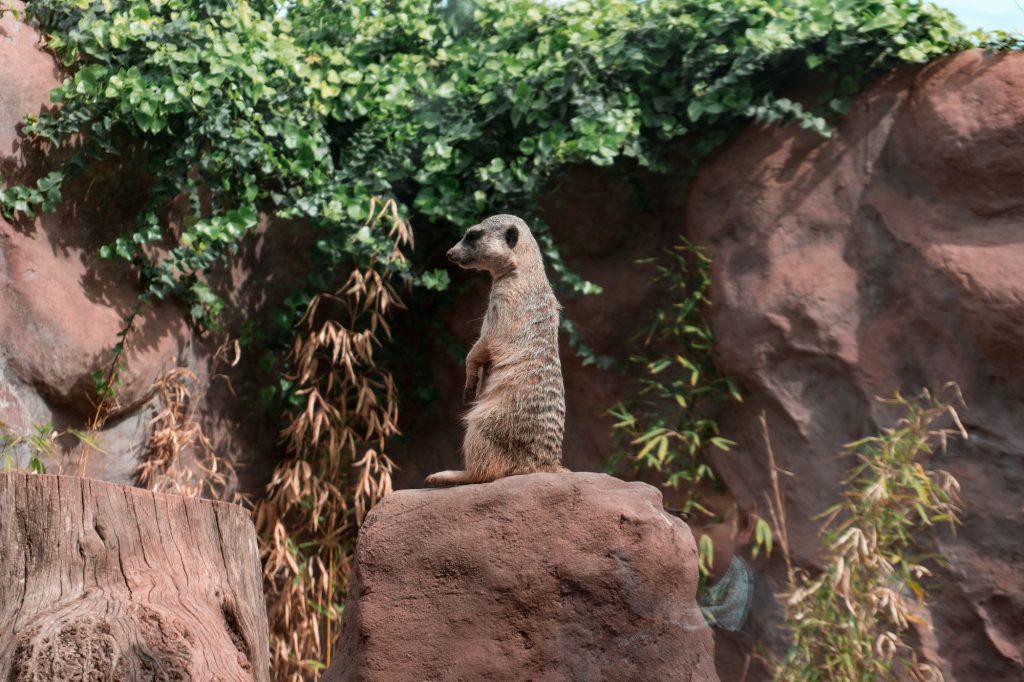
x=106, y=582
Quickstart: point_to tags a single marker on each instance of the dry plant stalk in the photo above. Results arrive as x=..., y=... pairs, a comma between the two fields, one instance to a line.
x=174, y=433
x=337, y=469
x=776, y=508
x=848, y=622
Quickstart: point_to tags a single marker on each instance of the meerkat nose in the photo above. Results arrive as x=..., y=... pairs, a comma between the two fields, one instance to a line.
x=451, y=255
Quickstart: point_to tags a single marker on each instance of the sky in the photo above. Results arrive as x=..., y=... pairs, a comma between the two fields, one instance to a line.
x=1002, y=14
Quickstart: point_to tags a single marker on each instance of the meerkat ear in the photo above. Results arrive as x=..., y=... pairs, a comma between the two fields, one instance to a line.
x=512, y=236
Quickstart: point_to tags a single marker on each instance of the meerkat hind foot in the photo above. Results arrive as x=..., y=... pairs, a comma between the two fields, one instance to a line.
x=448, y=478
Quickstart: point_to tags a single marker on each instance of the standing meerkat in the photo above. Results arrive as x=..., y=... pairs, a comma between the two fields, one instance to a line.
x=513, y=372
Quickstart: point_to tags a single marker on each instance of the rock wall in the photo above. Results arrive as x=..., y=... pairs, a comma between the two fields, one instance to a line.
x=576, y=577
x=62, y=307
x=889, y=257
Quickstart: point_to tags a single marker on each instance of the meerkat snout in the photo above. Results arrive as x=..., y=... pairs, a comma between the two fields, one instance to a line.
x=456, y=255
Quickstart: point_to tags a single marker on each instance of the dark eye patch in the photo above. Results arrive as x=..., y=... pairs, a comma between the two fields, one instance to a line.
x=511, y=236
x=473, y=236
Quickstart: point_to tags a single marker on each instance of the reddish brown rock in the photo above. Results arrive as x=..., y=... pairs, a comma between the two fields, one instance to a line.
x=62, y=307
x=25, y=81
x=889, y=257
x=540, y=577
x=105, y=582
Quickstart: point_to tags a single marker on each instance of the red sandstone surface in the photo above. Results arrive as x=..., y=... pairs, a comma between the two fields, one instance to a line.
x=538, y=577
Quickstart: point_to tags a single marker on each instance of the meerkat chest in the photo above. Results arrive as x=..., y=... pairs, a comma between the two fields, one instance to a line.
x=487, y=325
x=497, y=307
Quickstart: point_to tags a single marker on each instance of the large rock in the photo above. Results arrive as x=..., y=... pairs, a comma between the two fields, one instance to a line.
x=62, y=307
x=540, y=577
x=889, y=257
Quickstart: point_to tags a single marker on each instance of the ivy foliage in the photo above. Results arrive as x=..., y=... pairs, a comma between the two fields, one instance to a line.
x=457, y=109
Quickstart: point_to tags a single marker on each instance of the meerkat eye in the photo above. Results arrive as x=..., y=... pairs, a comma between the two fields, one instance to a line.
x=473, y=236
x=512, y=236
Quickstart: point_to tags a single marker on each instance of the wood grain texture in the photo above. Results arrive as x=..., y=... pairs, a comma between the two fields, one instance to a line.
x=106, y=582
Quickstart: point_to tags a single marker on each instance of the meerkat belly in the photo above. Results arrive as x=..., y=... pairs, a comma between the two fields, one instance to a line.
x=522, y=410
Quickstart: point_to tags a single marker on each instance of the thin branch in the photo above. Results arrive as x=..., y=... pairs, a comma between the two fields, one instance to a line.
x=778, y=509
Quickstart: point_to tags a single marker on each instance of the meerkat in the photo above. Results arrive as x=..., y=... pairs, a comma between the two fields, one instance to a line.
x=514, y=384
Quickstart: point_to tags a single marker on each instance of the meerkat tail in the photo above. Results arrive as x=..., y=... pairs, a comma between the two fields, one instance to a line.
x=449, y=478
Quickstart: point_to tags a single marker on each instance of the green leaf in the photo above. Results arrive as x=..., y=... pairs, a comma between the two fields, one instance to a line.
x=694, y=109
x=436, y=280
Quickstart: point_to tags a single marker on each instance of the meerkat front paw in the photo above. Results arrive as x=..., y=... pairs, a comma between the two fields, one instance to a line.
x=474, y=386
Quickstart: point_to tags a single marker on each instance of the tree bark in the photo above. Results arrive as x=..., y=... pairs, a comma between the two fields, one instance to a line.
x=106, y=582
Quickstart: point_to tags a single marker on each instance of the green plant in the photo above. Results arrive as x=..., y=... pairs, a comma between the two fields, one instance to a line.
x=763, y=538
x=24, y=200
x=1000, y=41
x=848, y=621
x=456, y=110
x=700, y=522
x=705, y=556
x=107, y=381
x=672, y=420
x=40, y=444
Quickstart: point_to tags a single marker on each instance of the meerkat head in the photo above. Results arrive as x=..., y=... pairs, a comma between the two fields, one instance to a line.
x=499, y=244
